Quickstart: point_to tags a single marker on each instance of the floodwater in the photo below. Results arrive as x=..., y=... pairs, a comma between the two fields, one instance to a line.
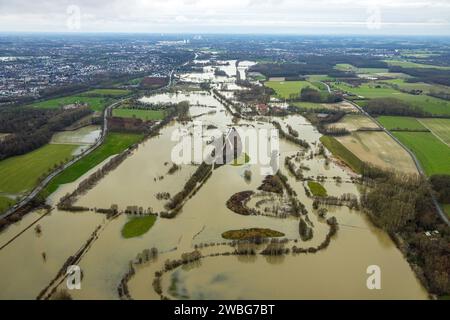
x=83, y=136
x=336, y=272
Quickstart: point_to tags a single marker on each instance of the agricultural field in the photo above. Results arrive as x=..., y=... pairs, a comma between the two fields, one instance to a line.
x=401, y=123
x=137, y=226
x=284, y=89
x=439, y=127
x=349, y=68
x=409, y=64
x=107, y=92
x=145, y=115
x=113, y=144
x=379, y=149
x=317, y=189
x=353, y=122
x=95, y=103
x=21, y=173
x=394, y=75
x=83, y=136
x=432, y=153
x=5, y=203
x=373, y=90
x=344, y=106
x=422, y=86
x=319, y=77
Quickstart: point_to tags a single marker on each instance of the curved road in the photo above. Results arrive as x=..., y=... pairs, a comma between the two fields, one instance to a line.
x=59, y=170
x=441, y=213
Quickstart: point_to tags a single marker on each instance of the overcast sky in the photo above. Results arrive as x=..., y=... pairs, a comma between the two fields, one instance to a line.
x=228, y=16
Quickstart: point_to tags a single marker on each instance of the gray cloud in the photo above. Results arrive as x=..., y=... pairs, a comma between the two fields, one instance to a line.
x=244, y=16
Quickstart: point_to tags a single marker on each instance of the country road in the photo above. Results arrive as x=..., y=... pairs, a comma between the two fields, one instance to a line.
x=59, y=170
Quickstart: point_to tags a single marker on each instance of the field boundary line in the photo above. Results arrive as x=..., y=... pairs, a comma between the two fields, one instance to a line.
x=434, y=134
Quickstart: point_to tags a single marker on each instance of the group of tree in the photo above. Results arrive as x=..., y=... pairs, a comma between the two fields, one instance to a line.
x=255, y=94
x=402, y=205
x=287, y=136
x=31, y=128
x=394, y=107
x=441, y=185
x=428, y=75
x=309, y=94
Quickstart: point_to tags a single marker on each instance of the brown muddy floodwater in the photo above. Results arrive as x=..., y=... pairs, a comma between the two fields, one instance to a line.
x=337, y=272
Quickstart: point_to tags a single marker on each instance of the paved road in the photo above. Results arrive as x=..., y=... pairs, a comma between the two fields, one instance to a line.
x=441, y=213
x=98, y=143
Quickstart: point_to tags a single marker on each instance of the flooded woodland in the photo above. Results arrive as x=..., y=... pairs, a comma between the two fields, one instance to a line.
x=29, y=260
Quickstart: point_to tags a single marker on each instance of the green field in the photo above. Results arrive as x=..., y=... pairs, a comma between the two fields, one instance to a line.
x=21, y=173
x=284, y=89
x=440, y=127
x=95, y=103
x=138, y=226
x=5, y=203
x=349, y=68
x=319, y=77
x=424, y=87
x=309, y=105
x=447, y=209
x=409, y=64
x=372, y=91
x=317, y=189
x=140, y=114
x=106, y=92
x=241, y=160
x=433, y=154
x=341, y=152
x=401, y=123
x=114, y=143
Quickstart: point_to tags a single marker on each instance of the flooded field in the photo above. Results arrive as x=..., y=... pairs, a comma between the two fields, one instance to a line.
x=337, y=271
x=83, y=136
